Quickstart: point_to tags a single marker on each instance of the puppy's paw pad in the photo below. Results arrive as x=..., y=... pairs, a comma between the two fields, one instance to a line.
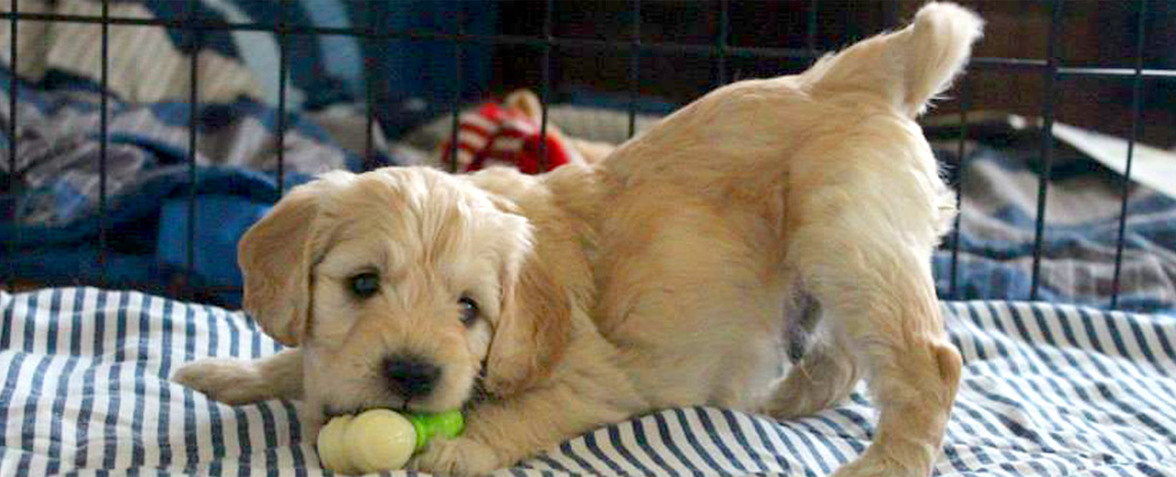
x=227, y=381
x=461, y=456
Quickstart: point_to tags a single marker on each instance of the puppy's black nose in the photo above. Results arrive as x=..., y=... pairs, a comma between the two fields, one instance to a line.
x=410, y=376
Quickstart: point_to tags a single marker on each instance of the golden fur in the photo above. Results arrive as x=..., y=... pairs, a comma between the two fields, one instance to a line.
x=668, y=274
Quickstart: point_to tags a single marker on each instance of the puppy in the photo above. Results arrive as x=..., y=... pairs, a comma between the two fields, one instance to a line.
x=668, y=274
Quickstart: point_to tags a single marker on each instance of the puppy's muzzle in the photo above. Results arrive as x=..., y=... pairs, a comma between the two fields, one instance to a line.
x=410, y=376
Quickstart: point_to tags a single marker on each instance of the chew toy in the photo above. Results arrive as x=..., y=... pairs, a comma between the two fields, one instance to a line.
x=381, y=439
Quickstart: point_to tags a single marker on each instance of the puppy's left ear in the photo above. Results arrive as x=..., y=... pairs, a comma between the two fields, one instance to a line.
x=275, y=257
x=535, y=320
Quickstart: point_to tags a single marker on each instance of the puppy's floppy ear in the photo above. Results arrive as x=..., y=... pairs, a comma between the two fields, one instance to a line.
x=534, y=325
x=908, y=67
x=275, y=257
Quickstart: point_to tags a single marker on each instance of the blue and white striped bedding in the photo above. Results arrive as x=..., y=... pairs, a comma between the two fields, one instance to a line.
x=1047, y=390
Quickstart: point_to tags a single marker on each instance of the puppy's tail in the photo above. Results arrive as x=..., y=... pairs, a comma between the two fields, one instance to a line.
x=908, y=67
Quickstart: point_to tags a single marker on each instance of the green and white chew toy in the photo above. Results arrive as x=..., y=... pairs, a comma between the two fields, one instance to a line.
x=381, y=439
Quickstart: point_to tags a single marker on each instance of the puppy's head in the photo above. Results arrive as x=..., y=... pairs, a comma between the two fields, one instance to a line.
x=405, y=288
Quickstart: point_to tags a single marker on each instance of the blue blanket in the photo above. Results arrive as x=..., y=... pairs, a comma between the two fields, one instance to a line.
x=999, y=178
x=55, y=188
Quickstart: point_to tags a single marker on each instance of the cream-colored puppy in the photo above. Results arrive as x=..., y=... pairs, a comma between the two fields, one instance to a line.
x=667, y=275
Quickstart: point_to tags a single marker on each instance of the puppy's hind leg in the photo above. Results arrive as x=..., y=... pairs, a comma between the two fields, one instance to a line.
x=861, y=243
x=234, y=381
x=881, y=308
x=821, y=379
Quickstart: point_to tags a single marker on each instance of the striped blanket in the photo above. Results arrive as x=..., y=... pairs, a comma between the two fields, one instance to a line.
x=1047, y=390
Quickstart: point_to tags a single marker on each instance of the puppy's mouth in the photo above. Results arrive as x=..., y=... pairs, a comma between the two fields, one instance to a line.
x=332, y=412
x=397, y=404
x=441, y=399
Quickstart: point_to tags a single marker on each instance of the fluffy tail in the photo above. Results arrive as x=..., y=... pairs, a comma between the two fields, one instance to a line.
x=908, y=67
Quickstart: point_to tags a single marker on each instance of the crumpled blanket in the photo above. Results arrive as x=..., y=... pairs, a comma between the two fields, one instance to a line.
x=1000, y=176
x=55, y=190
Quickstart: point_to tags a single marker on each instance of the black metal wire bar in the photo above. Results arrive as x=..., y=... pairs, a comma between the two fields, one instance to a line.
x=369, y=64
x=1007, y=63
x=657, y=48
x=1073, y=72
x=664, y=48
x=1069, y=72
x=104, y=83
x=545, y=85
x=961, y=155
x=890, y=14
x=455, y=101
x=283, y=60
x=13, y=173
x=1116, y=73
x=405, y=34
x=1125, y=182
x=427, y=35
x=811, y=38
x=1047, y=118
x=634, y=67
x=193, y=124
x=724, y=36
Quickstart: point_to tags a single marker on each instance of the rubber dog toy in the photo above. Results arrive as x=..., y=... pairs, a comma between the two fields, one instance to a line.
x=381, y=439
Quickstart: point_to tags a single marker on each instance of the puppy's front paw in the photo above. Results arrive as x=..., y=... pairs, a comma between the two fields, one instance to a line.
x=225, y=380
x=462, y=456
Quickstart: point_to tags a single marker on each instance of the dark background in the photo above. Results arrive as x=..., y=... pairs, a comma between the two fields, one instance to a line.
x=1098, y=33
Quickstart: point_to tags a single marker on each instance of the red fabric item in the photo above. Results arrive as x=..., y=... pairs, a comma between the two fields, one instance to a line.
x=493, y=135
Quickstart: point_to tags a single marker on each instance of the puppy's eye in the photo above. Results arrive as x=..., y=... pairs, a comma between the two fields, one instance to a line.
x=365, y=284
x=469, y=310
